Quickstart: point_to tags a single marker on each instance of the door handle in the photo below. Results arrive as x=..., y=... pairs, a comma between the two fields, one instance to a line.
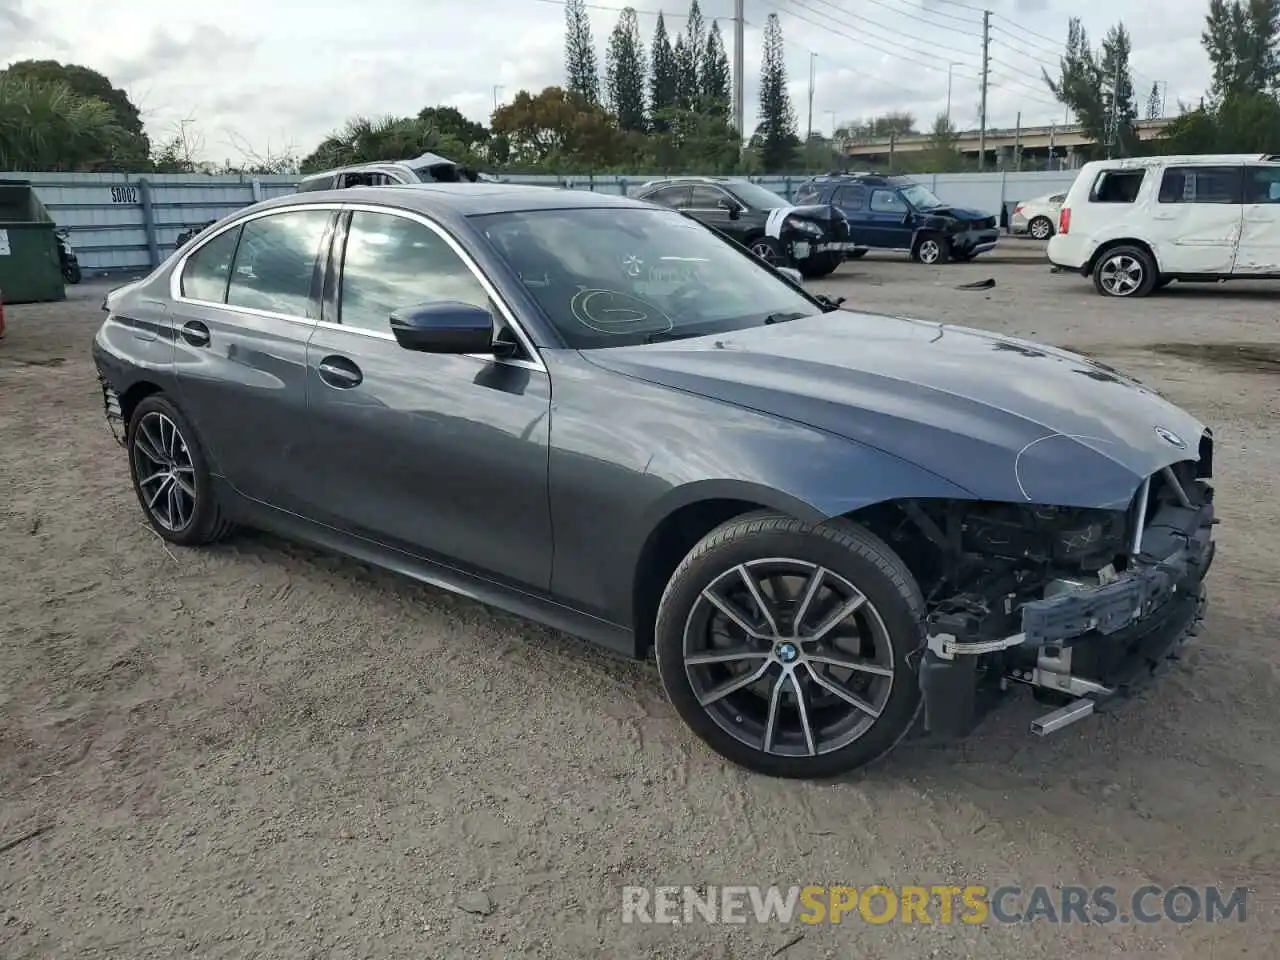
x=195, y=333
x=340, y=372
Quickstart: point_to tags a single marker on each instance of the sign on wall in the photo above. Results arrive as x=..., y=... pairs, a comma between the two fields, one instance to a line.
x=124, y=194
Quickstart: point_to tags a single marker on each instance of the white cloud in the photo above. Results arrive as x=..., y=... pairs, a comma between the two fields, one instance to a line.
x=284, y=73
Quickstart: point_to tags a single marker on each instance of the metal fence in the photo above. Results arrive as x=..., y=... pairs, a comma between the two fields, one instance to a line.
x=123, y=223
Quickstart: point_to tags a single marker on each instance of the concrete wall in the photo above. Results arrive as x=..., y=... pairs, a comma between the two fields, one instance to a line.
x=126, y=223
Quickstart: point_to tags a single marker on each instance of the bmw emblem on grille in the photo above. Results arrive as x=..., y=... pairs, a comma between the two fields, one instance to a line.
x=1168, y=436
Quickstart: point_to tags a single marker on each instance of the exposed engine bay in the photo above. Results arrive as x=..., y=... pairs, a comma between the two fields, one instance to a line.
x=1079, y=605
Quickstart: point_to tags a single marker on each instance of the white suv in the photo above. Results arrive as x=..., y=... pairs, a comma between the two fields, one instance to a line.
x=1136, y=225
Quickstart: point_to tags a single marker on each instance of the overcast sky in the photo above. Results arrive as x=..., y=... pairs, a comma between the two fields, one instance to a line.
x=266, y=76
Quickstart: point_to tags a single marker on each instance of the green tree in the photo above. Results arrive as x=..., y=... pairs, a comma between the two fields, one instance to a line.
x=625, y=72
x=694, y=140
x=895, y=123
x=370, y=139
x=48, y=126
x=1079, y=83
x=132, y=151
x=580, y=53
x=777, y=125
x=714, y=73
x=663, y=87
x=558, y=130
x=450, y=124
x=943, y=154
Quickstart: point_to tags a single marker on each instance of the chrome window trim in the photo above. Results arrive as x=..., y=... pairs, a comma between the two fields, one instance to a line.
x=175, y=279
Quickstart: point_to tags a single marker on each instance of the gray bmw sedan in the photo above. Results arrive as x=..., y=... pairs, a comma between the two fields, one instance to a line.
x=601, y=415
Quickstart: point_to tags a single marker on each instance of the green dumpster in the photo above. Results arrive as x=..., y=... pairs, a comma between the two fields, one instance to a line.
x=29, y=264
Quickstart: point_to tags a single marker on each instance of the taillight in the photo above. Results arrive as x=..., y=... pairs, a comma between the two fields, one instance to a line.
x=1064, y=221
x=1017, y=209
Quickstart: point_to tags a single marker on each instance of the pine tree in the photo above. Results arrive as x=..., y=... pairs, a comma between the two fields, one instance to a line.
x=714, y=73
x=580, y=52
x=695, y=41
x=1155, y=103
x=662, y=76
x=1241, y=39
x=686, y=73
x=777, y=124
x=625, y=72
x=1117, y=93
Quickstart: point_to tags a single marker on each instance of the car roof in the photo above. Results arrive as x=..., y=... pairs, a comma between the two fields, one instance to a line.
x=666, y=181
x=1183, y=160
x=462, y=199
x=872, y=179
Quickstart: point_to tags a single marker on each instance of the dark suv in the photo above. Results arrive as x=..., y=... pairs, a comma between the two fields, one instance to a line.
x=894, y=213
x=813, y=238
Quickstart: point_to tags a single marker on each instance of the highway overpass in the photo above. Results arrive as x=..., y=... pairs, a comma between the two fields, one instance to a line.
x=1063, y=140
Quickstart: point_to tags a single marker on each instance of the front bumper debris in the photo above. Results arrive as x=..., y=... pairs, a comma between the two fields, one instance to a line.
x=1090, y=646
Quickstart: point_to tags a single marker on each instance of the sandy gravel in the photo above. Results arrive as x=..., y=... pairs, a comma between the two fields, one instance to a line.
x=259, y=750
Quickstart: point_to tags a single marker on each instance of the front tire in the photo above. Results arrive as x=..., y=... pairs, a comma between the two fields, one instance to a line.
x=814, y=268
x=785, y=646
x=1125, y=272
x=931, y=249
x=171, y=475
x=769, y=250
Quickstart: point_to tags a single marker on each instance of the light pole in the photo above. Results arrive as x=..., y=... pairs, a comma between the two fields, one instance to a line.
x=832, y=115
x=809, y=133
x=496, y=88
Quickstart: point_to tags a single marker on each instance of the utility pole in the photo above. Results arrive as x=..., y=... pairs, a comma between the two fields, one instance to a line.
x=1115, y=113
x=949, y=66
x=1053, y=146
x=739, y=19
x=1017, y=143
x=809, y=133
x=496, y=88
x=986, y=72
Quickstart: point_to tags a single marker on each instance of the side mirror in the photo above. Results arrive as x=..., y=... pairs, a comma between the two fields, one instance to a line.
x=446, y=326
x=732, y=208
x=792, y=274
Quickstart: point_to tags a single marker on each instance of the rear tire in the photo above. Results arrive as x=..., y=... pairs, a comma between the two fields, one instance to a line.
x=796, y=718
x=171, y=475
x=1124, y=271
x=1040, y=228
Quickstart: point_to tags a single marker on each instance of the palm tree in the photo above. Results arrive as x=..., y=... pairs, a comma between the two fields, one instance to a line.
x=47, y=126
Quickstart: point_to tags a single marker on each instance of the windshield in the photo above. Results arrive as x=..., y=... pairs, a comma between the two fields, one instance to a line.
x=920, y=197
x=754, y=195
x=618, y=276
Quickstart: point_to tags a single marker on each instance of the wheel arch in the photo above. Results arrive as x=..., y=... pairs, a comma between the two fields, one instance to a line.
x=134, y=395
x=1104, y=248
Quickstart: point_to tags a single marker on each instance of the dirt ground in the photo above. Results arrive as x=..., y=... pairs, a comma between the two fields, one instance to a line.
x=259, y=750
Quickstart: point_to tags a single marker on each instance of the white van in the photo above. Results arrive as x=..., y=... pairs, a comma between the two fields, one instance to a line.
x=1136, y=225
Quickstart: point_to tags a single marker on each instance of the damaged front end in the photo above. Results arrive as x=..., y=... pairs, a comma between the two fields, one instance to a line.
x=1083, y=606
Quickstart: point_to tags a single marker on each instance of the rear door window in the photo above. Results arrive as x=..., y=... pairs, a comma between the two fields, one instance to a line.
x=887, y=201
x=1201, y=185
x=703, y=197
x=850, y=198
x=1262, y=185
x=275, y=264
x=676, y=196
x=1117, y=186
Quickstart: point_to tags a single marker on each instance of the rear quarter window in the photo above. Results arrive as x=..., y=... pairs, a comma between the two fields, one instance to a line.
x=316, y=183
x=1117, y=186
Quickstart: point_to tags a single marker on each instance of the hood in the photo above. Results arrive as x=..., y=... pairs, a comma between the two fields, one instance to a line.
x=814, y=211
x=959, y=213
x=1005, y=419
